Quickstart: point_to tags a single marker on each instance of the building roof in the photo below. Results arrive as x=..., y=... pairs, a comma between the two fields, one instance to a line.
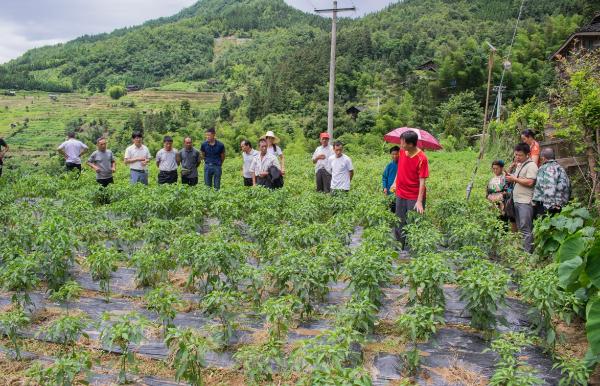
x=592, y=29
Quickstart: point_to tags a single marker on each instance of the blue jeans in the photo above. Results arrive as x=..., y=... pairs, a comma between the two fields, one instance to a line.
x=212, y=176
x=138, y=176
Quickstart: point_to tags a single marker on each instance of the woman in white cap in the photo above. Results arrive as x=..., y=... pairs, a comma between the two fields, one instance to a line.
x=275, y=150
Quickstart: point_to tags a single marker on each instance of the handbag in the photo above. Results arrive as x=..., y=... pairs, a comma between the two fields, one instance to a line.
x=509, y=204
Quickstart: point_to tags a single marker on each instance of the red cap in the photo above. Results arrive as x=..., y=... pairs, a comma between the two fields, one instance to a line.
x=324, y=135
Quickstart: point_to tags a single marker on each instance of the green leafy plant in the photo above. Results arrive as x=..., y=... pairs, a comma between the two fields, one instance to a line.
x=541, y=288
x=164, y=301
x=66, y=330
x=63, y=372
x=102, y=262
x=187, y=354
x=68, y=292
x=151, y=266
x=20, y=275
x=574, y=370
x=418, y=323
x=425, y=277
x=368, y=269
x=222, y=304
x=510, y=369
x=126, y=330
x=11, y=324
x=360, y=313
x=421, y=236
x=258, y=360
x=483, y=286
x=279, y=314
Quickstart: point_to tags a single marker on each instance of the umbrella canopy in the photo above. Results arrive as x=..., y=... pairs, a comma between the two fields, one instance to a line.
x=426, y=140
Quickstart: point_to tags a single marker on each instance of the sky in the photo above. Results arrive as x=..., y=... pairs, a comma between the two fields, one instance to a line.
x=26, y=24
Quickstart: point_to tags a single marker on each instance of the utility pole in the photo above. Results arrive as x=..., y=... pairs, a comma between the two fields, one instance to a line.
x=334, y=11
x=499, y=90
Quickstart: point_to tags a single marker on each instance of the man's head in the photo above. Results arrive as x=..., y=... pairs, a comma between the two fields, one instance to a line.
x=498, y=167
x=528, y=136
x=187, y=143
x=394, y=152
x=210, y=134
x=522, y=151
x=246, y=146
x=408, y=140
x=338, y=148
x=101, y=144
x=71, y=134
x=137, y=138
x=263, y=145
x=168, y=143
x=547, y=154
x=324, y=139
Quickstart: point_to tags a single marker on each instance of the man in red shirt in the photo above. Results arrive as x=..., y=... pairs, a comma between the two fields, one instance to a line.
x=413, y=169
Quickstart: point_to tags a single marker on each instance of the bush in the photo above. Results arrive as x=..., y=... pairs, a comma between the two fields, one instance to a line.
x=116, y=92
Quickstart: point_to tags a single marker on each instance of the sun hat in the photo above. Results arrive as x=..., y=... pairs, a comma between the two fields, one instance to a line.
x=272, y=135
x=325, y=135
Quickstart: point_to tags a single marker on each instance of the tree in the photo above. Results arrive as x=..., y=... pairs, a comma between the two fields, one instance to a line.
x=224, y=112
x=460, y=116
x=116, y=92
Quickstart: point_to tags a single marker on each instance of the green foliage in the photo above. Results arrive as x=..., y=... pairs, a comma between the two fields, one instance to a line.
x=359, y=313
x=279, y=314
x=222, y=304
x=257, y=361
x=426, y=276
x=68, y=292
x=419, y=322
x=126, y=330
x=422, y=237
x=11, y=324
x=483, y=286
x=20, y=275
x=66, y=330
x=152, y=266
x=461, y=117
x=102, y=262
x=164, y=301
x=574, y=370
x=368, y=268
x=510, y=369
x=541, y=288
x=62, y=372
x=188, y=354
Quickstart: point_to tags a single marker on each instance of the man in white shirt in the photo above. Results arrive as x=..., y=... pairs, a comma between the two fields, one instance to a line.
x=137, y=157
x=262, y=164
x=248, y=155
x=321, y=160
x=72, y=150
x=167, y=160
x=342, y=170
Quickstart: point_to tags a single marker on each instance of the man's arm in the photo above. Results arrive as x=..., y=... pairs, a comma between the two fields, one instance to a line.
x=384, y=178
x=351, y=173
x=198, y=159
x=84, y=149
x=527, y=182
x=419, y=205
x=3, y=149
x=93, y=166
x=113, y=166
x=223, y=156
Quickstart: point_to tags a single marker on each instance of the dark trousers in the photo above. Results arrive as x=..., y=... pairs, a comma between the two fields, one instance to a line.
x=105, y=181
x=167, y=177
x=70, y=166
x=524, y=217
x=191, y=181
x=212, y=175
x=403, y=206
x=323, y=181
x=247, y=181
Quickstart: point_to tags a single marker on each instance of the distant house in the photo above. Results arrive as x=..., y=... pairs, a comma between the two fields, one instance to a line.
x=10, y=93
x=53, y=97
x=133, y=87
x=586, y=37
x=353, y=111
x=428, y=66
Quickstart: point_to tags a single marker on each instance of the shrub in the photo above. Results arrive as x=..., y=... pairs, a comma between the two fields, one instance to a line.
x=11, y=323
x=426, y=276
x=116, y=92
x=187, y=352
x=102, y=262
x=164, y=301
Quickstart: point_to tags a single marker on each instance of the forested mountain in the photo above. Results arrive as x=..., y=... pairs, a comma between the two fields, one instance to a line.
x=282, y=65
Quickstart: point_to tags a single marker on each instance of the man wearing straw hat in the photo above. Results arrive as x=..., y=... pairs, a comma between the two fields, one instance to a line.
x=322, y=166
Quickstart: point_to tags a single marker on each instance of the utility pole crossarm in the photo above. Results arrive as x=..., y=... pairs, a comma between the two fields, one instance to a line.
x=334, y=11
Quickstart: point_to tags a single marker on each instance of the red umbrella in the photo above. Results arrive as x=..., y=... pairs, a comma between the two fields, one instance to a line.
x=426, y=140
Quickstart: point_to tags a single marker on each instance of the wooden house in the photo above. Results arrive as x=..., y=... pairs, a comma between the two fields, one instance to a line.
x=353, y=111
x=586, y=37
x=428, y=66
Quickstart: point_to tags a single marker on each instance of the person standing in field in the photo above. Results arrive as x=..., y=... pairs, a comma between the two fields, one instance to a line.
x=275, y=150
x=190, y=160
x=409, y=186
x=342, y=170
x=3, y=150
x=103, y=163
x=72, y=150
x=248, y=155
x=389, y=175
x=528, y=137
x=264, y=167
x=552, y=189
x=322, y=167
x=213, y=153
x=167, y=160
x=524, y=181
x=137, y=156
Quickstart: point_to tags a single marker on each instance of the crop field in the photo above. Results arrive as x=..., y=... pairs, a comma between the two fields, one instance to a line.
x=164, y=284
x=35, y=123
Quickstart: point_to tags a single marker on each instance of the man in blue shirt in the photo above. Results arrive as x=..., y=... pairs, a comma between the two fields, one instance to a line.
x=213, y=154
x=389, y=176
